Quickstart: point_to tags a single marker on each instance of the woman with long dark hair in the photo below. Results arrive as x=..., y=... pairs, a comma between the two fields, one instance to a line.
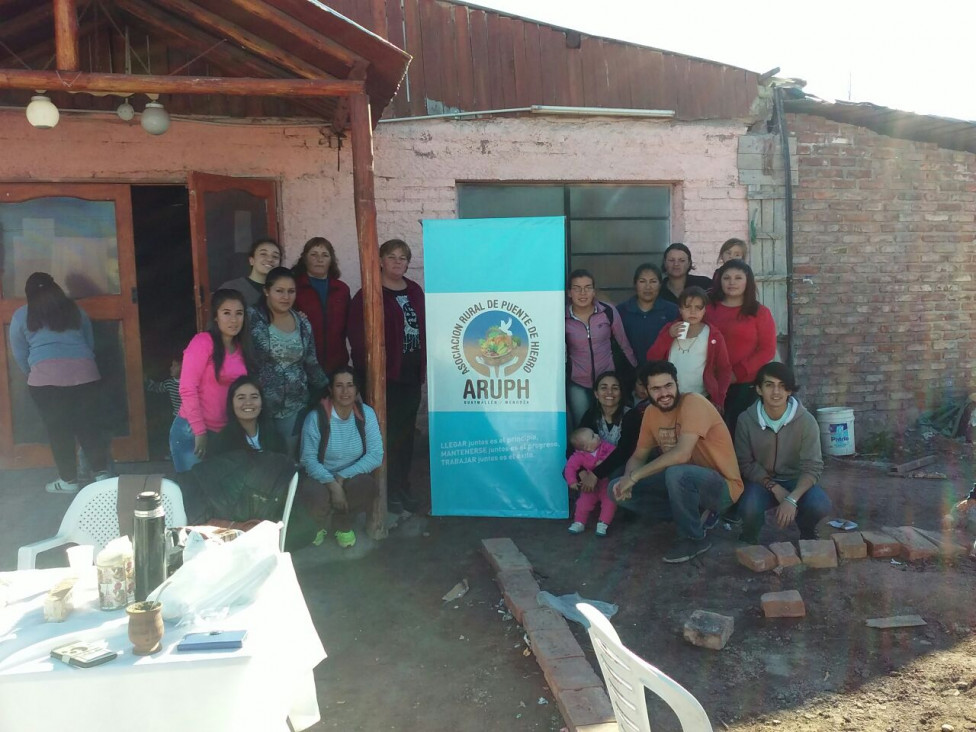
x=248, y=427
x=284, y=354
x=607, y=413
x=211, y=362
x=52, y=343
x=677, y=266
x=749, y=331
x=324, y=299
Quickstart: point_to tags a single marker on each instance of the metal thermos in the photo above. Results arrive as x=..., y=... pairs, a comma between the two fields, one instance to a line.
x=149, y=543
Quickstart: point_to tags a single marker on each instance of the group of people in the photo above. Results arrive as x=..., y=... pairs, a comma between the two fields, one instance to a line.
x=256, y=379
x=672, y=454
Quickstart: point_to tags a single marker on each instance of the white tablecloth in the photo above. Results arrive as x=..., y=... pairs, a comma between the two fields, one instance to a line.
x=256, y=688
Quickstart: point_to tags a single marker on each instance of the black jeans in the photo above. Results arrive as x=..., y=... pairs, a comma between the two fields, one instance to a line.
x=402, y=405
x=71, y=413
x=738, y=399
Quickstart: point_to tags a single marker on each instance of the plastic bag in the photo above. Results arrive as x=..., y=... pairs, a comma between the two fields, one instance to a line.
x=220, y=576
x=565, y=605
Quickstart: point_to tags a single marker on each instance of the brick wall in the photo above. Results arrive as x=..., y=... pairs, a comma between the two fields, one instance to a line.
x=883, y=268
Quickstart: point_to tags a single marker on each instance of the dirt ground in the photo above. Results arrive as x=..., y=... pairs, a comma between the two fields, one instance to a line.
x=401, y=659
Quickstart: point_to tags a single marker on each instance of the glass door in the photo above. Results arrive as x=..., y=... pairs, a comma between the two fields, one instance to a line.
x=81, y=235
x=227, y=215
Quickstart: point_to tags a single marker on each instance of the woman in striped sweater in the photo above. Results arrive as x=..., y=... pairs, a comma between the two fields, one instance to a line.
x=341, y=447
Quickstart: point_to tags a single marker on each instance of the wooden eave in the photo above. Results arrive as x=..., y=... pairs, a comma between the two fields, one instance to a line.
x=208, y=39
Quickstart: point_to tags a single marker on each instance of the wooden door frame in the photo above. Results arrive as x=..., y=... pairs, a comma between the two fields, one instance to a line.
x=199, y=183
x=119, y=307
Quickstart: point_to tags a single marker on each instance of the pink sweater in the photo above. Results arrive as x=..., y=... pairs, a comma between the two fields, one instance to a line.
x=581, y=460
x=204, y=397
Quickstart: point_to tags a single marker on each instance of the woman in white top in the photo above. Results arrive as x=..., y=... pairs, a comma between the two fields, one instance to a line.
x=697, y=351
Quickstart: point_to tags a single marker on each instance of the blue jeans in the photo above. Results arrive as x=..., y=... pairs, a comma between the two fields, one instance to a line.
x=285, y=427
x=578, y=400
x=181, y=444
x=756, y=500
x=677, y=494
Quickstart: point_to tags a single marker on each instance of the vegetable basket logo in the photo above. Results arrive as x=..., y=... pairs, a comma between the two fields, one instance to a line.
x=495, y=345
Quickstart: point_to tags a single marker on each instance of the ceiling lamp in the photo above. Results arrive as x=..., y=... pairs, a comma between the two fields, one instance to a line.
x=42, y=113
x=125, y=111
x=155, y=119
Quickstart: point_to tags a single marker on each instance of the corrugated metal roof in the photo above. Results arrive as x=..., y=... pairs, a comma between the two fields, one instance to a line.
x=468, y=58
x=952, y=134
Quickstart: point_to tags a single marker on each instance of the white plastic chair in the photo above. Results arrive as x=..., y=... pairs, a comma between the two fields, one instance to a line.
x=92, y=518
x=286, y=513
x=626, y=675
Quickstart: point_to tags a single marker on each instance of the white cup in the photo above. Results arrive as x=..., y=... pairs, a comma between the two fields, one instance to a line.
x=683, y=333
x=81, y=556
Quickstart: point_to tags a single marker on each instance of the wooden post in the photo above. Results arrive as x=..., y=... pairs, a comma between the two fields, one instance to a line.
x=380, y=27
x=66, y=35
x=369, y=265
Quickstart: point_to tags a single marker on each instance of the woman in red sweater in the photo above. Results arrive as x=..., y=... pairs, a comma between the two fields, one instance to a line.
x=749, y=330
x=324, y=298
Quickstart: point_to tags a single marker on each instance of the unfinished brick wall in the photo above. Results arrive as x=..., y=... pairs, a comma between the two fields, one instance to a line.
x=884, y=264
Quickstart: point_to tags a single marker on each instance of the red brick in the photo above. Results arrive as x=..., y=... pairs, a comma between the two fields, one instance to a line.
x=785, y=604
x=548, y=645
x=542, y=618
x=503, y=555
x=757, y=558
x=519, y=589
x=913, y=545
x=587, y=710
x=850, y=545
x=708, y=629
x=819, y=553
x=945, y=541
x=785, y=552
x=571, y=674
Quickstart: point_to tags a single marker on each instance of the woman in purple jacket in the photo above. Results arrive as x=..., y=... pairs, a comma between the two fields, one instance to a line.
x=591, y=328
x=405, y=335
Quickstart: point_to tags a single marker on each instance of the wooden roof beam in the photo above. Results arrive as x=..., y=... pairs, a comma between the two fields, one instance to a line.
x=152, y=84
x=227, y=56
x=11, y=30
x=66, y=35
x=221, y=28
x=46, y=52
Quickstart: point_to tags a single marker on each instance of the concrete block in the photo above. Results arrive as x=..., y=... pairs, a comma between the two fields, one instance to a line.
x=785, y=552
x=785, y=604
x=881, y=545
x=850, y=545
x=818, y=553
x=945, y=541
x=587, y=710
x=708, y=629
x=503, y=555
x=571, y=674
x=757, y=558
x=542, y=618
x=519, y=589
x=548, y=645
x=913, y=545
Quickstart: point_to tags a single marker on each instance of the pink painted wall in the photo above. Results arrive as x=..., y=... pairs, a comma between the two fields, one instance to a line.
x=417, y=166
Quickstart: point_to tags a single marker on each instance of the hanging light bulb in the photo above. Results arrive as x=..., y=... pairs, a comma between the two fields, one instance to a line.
x=155, y=119
x=125, y=111
x=42, y=113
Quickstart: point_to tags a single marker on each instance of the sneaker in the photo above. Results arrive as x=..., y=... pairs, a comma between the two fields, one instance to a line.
x=61, y=486
x=685, y=549
x=320, y=537
x=710, y=520
x=346, y=539
x=601, y=528
x=576, y=528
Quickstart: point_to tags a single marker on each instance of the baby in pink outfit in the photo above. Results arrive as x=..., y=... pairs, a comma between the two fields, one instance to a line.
x=590, y=451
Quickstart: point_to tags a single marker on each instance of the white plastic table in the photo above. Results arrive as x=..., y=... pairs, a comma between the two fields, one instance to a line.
x=263, y=686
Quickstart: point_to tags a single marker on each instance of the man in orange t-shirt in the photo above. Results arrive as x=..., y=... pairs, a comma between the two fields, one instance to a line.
x=697, y=465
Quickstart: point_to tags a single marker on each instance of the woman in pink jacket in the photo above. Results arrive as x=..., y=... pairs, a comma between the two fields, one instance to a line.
x=211, y=363
x=591, y=329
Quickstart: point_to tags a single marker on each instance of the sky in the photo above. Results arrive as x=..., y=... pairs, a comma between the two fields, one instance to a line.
x=913, y=56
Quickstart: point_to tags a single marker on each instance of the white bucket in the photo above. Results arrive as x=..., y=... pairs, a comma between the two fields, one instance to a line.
x=836, y=430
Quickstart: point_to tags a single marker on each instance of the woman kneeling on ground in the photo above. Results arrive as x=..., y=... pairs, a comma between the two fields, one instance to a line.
x=341, y=447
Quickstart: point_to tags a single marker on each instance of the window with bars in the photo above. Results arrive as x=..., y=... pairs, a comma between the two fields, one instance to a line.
x=610, y=228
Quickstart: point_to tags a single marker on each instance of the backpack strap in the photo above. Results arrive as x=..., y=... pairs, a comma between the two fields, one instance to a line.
x=324, y=411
